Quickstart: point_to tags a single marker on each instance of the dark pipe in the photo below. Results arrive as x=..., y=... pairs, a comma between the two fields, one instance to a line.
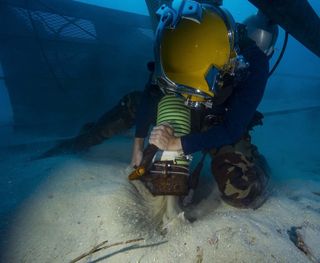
x=285, y=42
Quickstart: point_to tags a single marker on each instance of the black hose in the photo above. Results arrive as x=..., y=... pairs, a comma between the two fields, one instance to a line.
x=285, y=42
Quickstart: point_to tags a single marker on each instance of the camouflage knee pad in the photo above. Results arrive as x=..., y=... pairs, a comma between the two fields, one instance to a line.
x=240, y=179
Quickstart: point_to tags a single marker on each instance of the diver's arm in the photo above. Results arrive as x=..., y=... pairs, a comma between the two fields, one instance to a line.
x=147, y=110
x=143, y=122
x=137, y=150
x=241, y=108
x=146, y=116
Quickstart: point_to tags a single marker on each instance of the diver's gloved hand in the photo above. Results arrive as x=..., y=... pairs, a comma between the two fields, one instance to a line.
x=163, y=137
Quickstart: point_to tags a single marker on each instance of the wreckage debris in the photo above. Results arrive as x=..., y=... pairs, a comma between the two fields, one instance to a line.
x=296, y=236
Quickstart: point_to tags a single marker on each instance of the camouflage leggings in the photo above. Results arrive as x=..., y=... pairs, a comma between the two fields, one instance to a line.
x=241, y=173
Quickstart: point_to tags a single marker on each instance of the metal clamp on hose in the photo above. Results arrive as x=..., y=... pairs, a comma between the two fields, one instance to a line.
x=167, y=178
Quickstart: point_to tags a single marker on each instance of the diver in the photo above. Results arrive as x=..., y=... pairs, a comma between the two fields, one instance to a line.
x=220, y=76
x=207, y=63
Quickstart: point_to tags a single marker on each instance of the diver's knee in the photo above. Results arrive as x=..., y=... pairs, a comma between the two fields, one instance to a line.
x=241, y=183
x=253, y=198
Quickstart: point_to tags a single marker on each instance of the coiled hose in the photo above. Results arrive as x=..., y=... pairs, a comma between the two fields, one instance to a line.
x=172, y=110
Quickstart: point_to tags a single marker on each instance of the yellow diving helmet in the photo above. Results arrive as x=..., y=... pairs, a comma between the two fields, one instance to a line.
x=194, y=47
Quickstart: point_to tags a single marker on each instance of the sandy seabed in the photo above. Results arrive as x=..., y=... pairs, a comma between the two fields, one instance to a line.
x=86, y=199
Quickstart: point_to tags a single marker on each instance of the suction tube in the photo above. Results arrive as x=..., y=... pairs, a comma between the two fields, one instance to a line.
x=173, y=111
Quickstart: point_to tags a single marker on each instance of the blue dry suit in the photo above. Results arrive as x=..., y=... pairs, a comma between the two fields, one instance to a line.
x=237, y=110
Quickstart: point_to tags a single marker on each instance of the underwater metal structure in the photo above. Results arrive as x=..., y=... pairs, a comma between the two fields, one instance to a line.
x=295, y=16
x=63, y=60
